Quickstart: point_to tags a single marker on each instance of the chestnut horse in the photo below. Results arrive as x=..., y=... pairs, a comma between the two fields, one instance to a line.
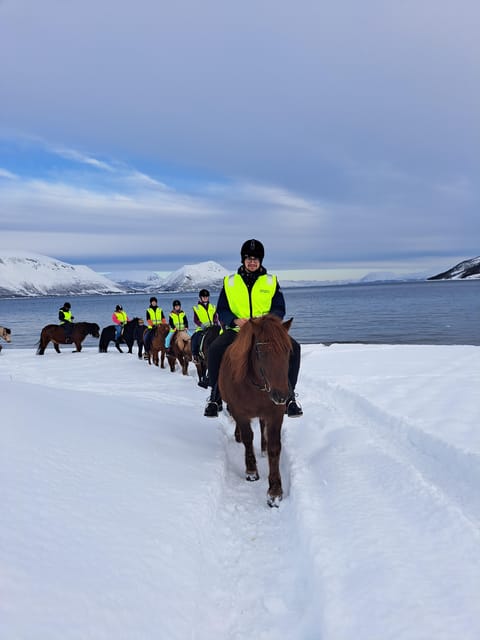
x=206, y=340
x=181, y=350
x=253, y=381
x=56, y=334
x=157, y=344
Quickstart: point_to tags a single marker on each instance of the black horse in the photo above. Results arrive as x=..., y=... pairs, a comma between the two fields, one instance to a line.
x=132, y=331
x=208, y=336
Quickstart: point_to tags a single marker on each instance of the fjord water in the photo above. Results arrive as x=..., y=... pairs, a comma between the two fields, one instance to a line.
x=446, y=312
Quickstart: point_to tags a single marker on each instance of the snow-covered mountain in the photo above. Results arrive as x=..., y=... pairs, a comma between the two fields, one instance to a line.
x=192, y=277
x=465, y=270
x=137, y=280
x=29, y=274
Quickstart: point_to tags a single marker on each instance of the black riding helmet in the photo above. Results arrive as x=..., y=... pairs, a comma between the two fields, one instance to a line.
x=252, y=248
x=119, y=307
x=67, y=305
x=204, y=293
x=153, y=299
x=176, y=303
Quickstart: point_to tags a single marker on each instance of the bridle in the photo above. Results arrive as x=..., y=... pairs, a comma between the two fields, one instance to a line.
x=258, y=352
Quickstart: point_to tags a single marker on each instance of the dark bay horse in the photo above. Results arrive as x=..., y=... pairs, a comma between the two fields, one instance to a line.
x=206, y=340
x=181, y=350
x=157, y=344
x=56, y=334
x=129, y=335
x=253, y=381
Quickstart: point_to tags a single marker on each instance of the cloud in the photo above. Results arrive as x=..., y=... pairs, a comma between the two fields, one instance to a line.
x=337, y=132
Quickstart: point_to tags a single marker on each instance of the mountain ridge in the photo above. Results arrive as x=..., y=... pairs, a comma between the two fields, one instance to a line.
x=25, y=274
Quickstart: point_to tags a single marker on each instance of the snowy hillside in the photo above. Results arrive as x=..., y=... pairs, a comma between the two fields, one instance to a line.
x=195, y=276
x=30, y=274
x=466, y=270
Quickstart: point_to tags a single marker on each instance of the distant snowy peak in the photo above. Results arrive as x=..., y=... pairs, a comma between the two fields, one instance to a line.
x=468, y=269
x=31, y=274
x=192, y=277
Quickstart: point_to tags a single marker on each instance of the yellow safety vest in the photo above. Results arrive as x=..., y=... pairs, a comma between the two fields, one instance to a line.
x=155, y=316
x=257, y=302
x=122, y=316
x=178, y=320
x=205, y=315
x=67, y=316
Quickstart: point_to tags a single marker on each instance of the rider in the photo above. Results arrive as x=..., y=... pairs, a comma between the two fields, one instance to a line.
x=154, y=316
x=177, y=320
x=204, y=316
x=120, y=319
x=249, y=293
x=66, y=320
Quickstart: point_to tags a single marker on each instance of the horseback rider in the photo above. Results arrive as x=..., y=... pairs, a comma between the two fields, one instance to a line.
x=120, y=319
x=249, y=293
x=204, y=316
x=66, y=320
x=154, y=316
x=178, y=321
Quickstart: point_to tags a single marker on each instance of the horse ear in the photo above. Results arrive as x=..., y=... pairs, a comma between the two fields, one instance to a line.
x=287, y=324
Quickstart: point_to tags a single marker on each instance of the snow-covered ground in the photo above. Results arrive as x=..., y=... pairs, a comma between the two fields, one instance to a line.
x=124, y=513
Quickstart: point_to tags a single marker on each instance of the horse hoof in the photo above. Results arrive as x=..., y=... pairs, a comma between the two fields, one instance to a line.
x=251, y=476
x=274, y=501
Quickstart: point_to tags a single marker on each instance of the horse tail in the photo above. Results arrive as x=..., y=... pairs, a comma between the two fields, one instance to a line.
x=104, y=340
x=40, y=347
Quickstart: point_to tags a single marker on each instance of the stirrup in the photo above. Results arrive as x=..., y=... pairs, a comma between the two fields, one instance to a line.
x=293, y=409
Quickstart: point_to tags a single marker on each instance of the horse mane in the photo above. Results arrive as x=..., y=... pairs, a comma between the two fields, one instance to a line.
x=269, y=329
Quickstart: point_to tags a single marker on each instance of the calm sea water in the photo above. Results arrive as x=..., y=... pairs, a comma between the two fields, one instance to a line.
x=400, y=313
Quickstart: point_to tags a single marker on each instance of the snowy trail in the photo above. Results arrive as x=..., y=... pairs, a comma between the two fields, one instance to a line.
x=128, y=511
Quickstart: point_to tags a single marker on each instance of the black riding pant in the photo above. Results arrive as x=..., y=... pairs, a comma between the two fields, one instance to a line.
x=225, y=339
x=196, y=340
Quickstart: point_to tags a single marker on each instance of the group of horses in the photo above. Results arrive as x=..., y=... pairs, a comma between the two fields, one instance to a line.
x=253, y=379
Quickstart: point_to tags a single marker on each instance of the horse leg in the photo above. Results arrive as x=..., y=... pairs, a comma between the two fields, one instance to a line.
x=56, y=346
x=118, y=346
x=251, y=471
x=263, y=437
x=78, y=344
x=274, y=447
x=171, y=362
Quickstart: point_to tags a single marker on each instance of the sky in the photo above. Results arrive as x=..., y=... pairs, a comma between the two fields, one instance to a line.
x=126, y=514
x=343, y=135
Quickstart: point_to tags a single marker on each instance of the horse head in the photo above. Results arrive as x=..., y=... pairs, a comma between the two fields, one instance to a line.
x=6, y=334
x=269, y=357
x=94, y=330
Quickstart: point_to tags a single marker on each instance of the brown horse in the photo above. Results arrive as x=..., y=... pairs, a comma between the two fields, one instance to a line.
x=181, y=350
x=56, y=334
x=157, y=344
x=253, y=380
x=206, y=340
